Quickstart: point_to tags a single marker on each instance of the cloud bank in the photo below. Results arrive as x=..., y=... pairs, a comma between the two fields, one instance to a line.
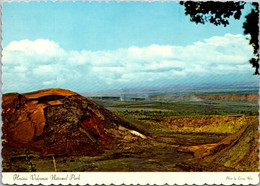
x=31, y=65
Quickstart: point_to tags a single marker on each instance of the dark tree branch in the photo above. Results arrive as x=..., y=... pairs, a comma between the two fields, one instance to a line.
x=218, y=13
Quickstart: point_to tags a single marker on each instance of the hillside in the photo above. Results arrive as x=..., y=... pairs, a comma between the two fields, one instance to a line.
x=60, y=122
x=205, y=97
x=238, y=151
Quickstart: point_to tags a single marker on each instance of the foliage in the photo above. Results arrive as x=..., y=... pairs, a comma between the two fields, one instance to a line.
x=218, y=13
x=251, y=27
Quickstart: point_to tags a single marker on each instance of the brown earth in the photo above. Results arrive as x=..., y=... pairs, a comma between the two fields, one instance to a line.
x=229, y=96
x=238, y=151
x=60, y=122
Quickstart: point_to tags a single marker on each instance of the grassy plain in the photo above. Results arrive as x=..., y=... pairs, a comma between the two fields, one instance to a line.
x=188, y=117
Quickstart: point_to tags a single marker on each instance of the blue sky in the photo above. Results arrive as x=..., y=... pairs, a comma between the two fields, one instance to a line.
x=95, y=46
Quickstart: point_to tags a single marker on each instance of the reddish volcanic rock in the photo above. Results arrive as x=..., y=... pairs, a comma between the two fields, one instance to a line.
x=49, y=92
x=61, y=122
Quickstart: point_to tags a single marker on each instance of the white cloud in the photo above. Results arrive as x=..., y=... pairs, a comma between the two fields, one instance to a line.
x=39, y=47
x=20, y=69
x=43, y=64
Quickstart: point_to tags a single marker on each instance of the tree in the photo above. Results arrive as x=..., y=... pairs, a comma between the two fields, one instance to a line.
x=218, y=13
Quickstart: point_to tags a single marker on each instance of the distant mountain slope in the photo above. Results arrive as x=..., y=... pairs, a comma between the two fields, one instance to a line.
x=201, y=97
x=61, y=122
x=230, y=96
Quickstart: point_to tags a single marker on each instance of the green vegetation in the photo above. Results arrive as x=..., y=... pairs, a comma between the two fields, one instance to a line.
x=209, y=107
x=187, y=113
x=190, y=123
x=220, y=117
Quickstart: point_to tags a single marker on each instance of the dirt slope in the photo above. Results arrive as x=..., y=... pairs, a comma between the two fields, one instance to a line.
x=238, y=152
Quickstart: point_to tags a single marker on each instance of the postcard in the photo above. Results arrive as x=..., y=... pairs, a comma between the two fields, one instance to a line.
x=130, y=92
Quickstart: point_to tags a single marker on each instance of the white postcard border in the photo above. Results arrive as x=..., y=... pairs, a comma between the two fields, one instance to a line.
x=127, y=178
